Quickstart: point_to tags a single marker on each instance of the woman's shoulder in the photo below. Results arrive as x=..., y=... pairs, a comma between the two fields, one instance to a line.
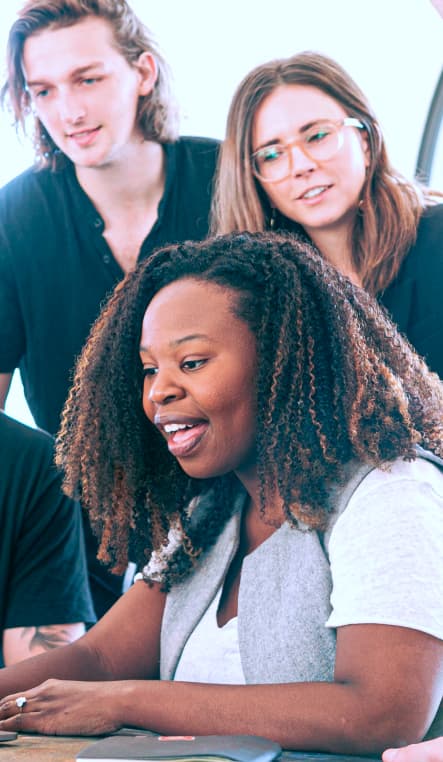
x=429, y=233
x=400, y=491
x=425, y=257
x=431, y=219
x=398, y=472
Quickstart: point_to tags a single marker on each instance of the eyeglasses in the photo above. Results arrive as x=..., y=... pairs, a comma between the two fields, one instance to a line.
x=320, y=142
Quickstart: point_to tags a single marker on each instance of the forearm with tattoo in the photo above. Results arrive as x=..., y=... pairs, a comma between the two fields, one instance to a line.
x=22, y=642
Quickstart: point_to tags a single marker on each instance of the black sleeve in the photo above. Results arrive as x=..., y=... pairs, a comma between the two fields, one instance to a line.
x=47, y=579
x=12, y=335
x=414, y=298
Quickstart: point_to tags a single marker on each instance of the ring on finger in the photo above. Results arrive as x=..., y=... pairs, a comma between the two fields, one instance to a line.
x=20, y=702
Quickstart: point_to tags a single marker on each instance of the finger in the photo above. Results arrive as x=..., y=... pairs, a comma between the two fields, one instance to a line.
x=32, y=722
x=9, y=707
x=16, y=705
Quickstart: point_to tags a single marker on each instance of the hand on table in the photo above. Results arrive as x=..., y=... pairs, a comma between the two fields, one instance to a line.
x=427, y=751
x=62, y=707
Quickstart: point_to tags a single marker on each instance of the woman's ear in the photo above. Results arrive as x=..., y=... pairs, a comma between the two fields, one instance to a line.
x=147, y=68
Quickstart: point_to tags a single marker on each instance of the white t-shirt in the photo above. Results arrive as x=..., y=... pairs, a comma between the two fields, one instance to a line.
x=394, y=573
x=212, y=654
x=386, y=557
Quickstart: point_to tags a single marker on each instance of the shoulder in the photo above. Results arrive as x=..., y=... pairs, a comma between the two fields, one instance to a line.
x=413, y=299
x=430, y=231
x=418, y=472
x=29, y=181
x=388, y=541
x=427, y=251
x=432, y=219
x=24, y=444
x=198, y=145
x=197, y=151
x=30, y=193
x=401, y=491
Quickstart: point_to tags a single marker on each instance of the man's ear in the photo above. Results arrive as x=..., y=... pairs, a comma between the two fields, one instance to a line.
x=147, y=68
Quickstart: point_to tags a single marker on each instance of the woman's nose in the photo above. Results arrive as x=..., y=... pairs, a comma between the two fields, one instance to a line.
x=164, y=388
x=300, y=161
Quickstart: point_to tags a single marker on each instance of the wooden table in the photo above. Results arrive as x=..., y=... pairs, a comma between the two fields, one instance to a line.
x=33, y=748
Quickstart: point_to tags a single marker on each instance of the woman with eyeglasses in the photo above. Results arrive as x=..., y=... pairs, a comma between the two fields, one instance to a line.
x=304, y=152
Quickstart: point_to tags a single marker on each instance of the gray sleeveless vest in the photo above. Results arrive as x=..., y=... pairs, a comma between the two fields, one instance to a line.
x=284, y=599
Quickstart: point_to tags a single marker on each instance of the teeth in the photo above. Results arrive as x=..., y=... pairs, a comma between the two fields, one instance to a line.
x=171, y=427
x=314, y=192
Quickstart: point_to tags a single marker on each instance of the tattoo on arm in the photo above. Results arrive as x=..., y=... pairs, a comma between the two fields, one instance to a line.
x=46, y=636
x=22, y=642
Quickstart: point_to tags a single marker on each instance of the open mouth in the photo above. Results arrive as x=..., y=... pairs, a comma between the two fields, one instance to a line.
x=184, y=438
x=313, y=193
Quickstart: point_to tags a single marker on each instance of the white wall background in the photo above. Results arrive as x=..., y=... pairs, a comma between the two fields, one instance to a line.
x=393, y=48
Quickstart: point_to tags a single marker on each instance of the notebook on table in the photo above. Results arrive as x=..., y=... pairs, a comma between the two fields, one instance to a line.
x=6, y=735
x=155, y=748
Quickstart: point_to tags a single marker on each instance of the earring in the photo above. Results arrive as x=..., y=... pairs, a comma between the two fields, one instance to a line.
x=273, y=218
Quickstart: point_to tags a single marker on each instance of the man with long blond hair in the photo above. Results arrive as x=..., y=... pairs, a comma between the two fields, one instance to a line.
x=112, y=181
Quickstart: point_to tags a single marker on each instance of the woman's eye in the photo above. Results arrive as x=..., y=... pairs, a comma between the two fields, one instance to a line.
x=149, y=372
x=270, y=154
x=193, y=364
x=319, y=134
x=89, y=80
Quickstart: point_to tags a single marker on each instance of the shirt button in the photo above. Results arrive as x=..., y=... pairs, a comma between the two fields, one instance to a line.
x=106, y=259
x=98, y=223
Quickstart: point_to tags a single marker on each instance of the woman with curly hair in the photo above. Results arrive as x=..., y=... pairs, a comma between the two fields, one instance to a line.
x=304, y=152
x=250, y=426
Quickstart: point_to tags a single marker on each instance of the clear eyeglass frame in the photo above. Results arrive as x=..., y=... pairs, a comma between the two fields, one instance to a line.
x=287, y=166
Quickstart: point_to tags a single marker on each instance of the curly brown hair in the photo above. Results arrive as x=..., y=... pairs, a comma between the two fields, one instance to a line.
x=335, y=381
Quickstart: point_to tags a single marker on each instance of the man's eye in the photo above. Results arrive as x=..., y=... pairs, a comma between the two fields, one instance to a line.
x=89, y=81
x=193, y=364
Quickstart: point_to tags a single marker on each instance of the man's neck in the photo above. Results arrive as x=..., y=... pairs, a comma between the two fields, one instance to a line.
x=136, y=181
x=127, y=195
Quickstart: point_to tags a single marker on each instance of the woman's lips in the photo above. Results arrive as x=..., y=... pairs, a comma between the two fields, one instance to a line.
x=184, y=441
x=314, y=195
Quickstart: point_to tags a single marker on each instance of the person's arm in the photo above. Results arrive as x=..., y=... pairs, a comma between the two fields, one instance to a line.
x=388, y=680
x=427, y=751
x=46, y=598
x=22, y=642
x=386, y=690
x=124, y=644
x=5, y=383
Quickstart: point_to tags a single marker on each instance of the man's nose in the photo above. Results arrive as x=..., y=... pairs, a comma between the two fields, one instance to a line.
x=71, y=107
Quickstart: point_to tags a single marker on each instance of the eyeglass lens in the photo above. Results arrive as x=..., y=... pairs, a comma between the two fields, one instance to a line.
x=320, y=143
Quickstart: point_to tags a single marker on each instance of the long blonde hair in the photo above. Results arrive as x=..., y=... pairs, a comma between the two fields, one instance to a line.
x=391, y=205
x=157, y=114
